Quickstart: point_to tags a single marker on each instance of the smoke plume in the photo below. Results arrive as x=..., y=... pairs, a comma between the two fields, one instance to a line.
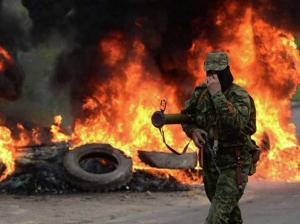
x=167, y=29
x=12, y=38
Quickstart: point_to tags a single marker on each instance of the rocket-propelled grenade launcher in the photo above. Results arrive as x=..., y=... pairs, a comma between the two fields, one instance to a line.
x=159, y=118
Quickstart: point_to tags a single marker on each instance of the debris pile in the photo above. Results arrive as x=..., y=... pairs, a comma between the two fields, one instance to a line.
x=40, y=170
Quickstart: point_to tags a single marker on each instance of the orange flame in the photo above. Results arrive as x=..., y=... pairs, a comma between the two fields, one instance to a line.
x=264, y=60
x=4, y=59
x=57, y=131
x=6, y=152
x=123, y=119
x=6, y=141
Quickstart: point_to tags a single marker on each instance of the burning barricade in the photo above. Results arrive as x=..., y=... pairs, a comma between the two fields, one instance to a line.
x=115, y=107
x=53, y=169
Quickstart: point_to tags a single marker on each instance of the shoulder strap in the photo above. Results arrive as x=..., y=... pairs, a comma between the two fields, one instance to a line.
x=200, y=98
x=169, y=147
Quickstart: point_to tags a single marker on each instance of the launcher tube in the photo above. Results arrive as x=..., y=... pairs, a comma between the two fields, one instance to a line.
x=159, y=119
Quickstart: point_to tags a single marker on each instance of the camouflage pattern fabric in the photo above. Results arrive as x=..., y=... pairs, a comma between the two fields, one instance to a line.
x=224, y=195
x=226, y=117
x=216, y=61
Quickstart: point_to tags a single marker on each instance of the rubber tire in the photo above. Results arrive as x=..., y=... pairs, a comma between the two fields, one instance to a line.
x=166, y=160
x=87, y=181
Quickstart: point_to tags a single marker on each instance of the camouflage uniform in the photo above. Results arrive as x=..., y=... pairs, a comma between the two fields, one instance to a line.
x=225, y=117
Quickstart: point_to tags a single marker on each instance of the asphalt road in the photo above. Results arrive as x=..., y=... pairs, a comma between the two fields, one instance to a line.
x=263, y=203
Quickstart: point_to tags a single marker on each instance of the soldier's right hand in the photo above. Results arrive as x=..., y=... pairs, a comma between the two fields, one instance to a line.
x=197, y=137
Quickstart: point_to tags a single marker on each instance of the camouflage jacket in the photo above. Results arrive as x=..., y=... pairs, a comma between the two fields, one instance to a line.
x=224, y=116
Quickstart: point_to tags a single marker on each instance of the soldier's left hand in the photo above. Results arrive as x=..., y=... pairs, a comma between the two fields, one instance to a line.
x=213, y=84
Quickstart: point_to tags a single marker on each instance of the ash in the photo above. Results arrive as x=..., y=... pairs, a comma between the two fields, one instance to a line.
x=39, y=170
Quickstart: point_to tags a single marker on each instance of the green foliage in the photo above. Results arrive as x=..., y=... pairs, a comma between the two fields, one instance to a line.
x=297, y=40
x=297, y=95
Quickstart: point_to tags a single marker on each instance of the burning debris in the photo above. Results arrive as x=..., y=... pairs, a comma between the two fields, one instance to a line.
x=7, y=157
x=96, y=167
x=52, y=169
x=125, y=56
x=38, y=169
x=165, y=160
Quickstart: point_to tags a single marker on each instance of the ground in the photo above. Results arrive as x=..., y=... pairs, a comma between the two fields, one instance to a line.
x=264, y=202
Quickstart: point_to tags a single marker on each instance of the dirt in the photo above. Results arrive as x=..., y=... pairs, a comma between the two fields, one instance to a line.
x=264, y=202
x=91, y=208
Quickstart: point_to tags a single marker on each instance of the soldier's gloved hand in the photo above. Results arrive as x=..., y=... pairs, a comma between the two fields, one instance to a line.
x=197, y=136
x=213, y=84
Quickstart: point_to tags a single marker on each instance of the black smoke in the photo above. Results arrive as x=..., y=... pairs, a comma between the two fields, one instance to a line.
x=167, y=28
x=47, y=16
x=284, y=14
x=12, y=39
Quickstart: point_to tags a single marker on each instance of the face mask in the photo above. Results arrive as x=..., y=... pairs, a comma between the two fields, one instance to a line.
x=225, y=77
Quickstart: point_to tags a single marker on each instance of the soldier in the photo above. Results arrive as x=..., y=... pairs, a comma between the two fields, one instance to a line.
x=226, y=112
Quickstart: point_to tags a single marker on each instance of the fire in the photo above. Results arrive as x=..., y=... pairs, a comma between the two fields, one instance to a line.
x=6, y=152
x=6, y=141
x=264, y=60
x=121, y=108
x=4, y=59
x=58, y=134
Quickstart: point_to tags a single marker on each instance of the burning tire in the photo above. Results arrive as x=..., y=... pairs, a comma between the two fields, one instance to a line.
x=97, y=167
x=164, y=160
